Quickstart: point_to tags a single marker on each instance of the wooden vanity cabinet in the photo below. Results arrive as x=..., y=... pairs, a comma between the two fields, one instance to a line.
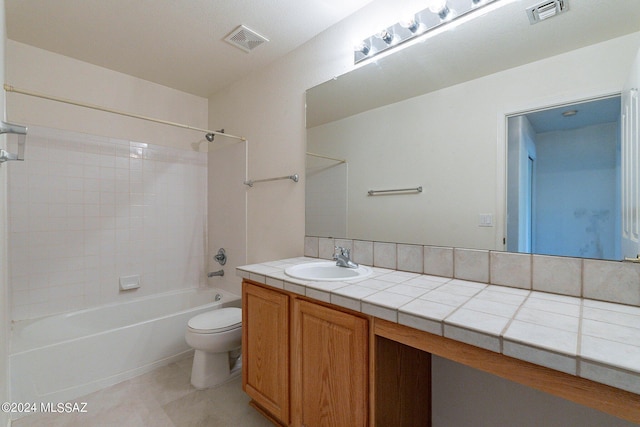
x=329, y=367
x=265, y=349
x=327, y=382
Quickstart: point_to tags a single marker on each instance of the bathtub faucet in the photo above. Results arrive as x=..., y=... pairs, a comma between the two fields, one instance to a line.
x=216, y=273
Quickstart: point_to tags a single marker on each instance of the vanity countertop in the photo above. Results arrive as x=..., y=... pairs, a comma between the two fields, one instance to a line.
x=592, y=339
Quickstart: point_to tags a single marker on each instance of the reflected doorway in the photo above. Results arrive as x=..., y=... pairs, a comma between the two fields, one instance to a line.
x=563, y=180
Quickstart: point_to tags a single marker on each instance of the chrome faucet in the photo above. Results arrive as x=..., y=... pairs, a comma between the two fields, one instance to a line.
x=342, y=257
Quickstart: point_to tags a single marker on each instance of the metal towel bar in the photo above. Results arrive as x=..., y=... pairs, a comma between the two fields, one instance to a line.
x=397, y=190
x=21, y=131
x=294, y=178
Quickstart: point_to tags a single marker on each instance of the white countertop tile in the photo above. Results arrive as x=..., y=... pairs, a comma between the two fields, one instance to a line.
x=410, y=291
x=354, y=291
x=552, y=320
x=491, y=307
x=621, y=317
x=460, y=287
x=544, y=337
x=376, y=284
x=477, y=321
x=445, y=297
x=612, y=332
x=427, y=309
x=387, y=299
x=610, y=352
x=425, y=283
x=552, y=306
x=594, y=339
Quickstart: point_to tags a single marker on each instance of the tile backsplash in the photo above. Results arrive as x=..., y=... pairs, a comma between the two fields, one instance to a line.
x=610, y=281
x=86, y=210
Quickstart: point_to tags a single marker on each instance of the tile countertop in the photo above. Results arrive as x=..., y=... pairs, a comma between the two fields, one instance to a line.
x=592, y=339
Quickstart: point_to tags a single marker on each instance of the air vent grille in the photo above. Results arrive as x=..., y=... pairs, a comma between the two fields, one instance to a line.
x=546, y=9
x=245, y=38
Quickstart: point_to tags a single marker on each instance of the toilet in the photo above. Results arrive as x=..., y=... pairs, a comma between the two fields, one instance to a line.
x=216, y=337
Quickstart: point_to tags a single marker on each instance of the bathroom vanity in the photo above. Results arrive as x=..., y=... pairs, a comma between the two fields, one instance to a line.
x=311, y=354
x=304, y=362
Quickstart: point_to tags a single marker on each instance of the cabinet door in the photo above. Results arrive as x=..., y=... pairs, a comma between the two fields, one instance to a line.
x=265, y=349
x=329, y=367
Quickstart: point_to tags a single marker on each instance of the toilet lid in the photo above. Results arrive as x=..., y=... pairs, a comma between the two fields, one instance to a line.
x=219, y=320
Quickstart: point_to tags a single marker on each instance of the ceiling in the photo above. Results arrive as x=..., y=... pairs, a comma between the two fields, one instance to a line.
x=588, y=113
x=179, y=44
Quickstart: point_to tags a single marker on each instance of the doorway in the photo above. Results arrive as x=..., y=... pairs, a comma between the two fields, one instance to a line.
x=563, y=180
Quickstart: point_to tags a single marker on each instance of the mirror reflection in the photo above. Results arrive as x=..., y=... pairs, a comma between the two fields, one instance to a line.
x=564, y=185
x=436, y=115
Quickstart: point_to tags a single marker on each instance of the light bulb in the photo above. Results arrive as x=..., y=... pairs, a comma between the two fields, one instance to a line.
x=412, y=25
x=437, y=6
x=362, y=48
x=386, y=36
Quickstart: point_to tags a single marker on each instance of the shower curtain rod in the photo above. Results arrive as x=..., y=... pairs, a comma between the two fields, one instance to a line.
x=10, y=88
x=326, y=157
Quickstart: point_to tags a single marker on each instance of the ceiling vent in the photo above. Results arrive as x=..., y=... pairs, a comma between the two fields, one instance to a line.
x=245, y=38
x=546, y=9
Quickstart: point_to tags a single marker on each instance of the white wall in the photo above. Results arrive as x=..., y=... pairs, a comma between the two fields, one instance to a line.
x=576, y=182
x=4, y=277
x=268, y=108
x=521, y=146
x=128, y=199
x=48, y=73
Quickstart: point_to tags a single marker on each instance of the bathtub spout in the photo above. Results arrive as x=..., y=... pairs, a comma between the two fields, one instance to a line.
x=216, y=273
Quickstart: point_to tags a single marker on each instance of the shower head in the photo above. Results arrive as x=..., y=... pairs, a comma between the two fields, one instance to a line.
x=210, y=136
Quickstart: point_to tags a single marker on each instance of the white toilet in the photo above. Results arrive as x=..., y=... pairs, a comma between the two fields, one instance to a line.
x=216, y=337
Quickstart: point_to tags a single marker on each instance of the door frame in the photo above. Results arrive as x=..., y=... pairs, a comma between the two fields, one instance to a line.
x=502, y=139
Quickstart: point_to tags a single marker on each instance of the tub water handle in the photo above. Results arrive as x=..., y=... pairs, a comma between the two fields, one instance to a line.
x=221, y=256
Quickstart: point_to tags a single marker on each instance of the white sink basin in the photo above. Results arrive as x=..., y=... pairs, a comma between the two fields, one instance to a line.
x=326, y=271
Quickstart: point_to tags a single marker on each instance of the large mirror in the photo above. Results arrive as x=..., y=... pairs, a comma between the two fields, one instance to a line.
x=432, y=119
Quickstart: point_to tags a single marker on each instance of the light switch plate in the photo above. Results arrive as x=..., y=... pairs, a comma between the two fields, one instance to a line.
x=485, y=220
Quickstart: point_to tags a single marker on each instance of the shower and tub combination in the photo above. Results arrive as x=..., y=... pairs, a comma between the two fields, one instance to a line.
x=62, y=357
x=108, y=265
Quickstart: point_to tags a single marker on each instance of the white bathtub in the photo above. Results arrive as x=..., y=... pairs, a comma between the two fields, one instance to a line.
x=62, y=357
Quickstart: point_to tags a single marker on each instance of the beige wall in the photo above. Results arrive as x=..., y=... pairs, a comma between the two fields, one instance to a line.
x=46, y=72
x=268, y=108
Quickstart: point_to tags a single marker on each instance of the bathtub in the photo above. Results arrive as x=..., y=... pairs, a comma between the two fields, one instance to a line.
x=62, y=357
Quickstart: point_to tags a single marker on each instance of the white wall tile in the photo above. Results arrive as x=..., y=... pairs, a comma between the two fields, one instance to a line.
x=510, y=269
x=79, y=217
x=471, y=264
x=611, y=281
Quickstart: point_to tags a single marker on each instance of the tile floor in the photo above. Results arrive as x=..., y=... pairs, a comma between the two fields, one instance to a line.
x=163, y=397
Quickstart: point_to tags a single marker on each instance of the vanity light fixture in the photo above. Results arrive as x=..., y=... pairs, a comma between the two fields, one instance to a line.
x=386, y=36
x=438, y=13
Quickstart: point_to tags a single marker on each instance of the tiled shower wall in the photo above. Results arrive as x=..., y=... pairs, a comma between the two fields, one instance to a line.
x=86, y=210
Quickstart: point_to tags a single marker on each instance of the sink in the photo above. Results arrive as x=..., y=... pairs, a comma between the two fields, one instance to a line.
x=326, y=271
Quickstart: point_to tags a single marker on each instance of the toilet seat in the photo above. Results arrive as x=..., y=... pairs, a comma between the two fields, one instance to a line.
x=216, y=321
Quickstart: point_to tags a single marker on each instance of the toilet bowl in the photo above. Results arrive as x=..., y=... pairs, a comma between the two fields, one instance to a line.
x=216, y=337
